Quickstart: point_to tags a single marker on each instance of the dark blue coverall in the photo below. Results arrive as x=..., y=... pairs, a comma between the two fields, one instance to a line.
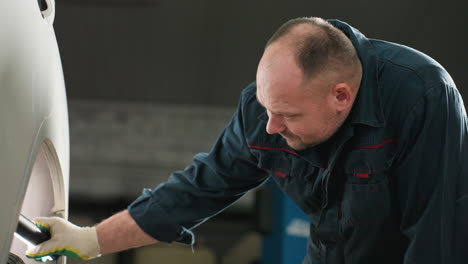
x=391, y=186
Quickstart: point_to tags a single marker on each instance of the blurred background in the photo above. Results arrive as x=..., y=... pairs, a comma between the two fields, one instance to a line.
x=150, y=83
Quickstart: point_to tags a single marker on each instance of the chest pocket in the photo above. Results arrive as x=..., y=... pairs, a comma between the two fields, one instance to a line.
x=367, y=201
x=295, y=176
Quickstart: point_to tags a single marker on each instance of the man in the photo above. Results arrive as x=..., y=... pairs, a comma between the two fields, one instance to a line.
x=369, y=138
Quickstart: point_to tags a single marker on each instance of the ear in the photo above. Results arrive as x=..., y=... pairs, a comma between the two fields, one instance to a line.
x=342, y=97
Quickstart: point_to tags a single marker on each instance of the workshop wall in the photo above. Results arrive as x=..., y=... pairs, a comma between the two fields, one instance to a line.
x=206, y=51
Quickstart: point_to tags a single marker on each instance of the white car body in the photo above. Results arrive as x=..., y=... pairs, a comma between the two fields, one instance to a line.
x=34, y=136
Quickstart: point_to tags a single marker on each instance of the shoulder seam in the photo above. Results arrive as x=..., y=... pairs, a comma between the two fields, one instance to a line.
x=406, y=67
x=432, y=87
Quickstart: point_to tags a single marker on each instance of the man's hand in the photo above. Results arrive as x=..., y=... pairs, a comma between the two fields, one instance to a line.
x=66, y=239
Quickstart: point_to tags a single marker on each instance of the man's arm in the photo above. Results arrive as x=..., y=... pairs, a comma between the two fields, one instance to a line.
x=117, y=233
x=170, y=211
x=120, y=232
x=210, y=184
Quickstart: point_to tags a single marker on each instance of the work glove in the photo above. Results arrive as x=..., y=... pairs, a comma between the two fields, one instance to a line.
x=66, y=239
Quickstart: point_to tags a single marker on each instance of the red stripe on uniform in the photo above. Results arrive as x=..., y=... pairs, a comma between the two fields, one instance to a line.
x=280, y=174
x=362, y=175
x=379, y=145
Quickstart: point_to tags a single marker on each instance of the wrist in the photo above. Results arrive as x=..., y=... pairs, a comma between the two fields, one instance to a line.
x=91, y=233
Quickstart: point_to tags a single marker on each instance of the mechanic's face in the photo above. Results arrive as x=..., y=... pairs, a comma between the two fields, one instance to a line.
x=304, y=112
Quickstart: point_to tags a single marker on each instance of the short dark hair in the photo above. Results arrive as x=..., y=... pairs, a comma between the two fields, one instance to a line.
x=324, y=47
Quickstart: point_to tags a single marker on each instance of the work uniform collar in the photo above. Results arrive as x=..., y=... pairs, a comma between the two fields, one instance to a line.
x=367, y=108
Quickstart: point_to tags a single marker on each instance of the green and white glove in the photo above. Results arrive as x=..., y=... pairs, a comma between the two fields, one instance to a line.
x=66, y=239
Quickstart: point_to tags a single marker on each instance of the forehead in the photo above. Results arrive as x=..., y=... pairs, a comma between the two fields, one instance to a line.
x=278, y=77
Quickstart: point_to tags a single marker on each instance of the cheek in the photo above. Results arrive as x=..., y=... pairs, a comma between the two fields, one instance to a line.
x=311, y=128
x=301, y=129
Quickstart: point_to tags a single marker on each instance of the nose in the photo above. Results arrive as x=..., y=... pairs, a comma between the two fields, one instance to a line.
x=275, y=124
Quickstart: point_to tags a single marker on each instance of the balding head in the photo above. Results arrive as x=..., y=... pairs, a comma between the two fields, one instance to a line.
x=317, y=47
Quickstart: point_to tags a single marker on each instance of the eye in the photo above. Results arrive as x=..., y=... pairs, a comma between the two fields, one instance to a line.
x=289, y=117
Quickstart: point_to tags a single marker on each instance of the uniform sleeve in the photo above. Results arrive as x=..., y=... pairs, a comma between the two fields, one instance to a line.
x=211, y=183
x=432, y=183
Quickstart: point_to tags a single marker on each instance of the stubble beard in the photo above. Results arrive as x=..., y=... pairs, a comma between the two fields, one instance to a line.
x=297, y=143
